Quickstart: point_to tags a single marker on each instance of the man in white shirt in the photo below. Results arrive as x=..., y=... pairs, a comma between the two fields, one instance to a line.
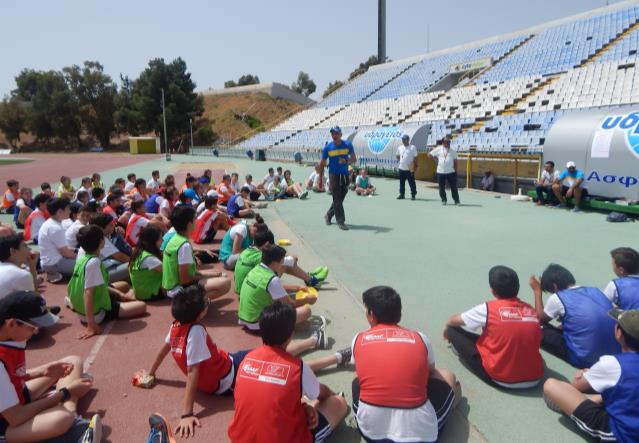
x=56, y=256
x=446, y=169
x=154, y=184
x=407, y=157
x=549, y=176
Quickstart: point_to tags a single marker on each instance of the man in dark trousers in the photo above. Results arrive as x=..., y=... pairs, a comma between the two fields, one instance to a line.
x=338, y=154
x=446, y=169
x=407, y=157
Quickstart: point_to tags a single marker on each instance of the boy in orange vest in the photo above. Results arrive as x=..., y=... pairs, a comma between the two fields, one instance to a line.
x=10, y=196
x=398, y=394
x=306, y=410
x=504, y=347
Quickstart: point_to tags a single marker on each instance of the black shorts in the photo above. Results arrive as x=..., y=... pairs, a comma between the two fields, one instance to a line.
x=322, y=430
x=114, y=313
x=592, y=418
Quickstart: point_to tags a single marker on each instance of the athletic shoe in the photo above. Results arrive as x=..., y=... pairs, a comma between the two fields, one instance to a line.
x=551, y=404
x=444, y=203
x=321, y=339
x=304, y=195
x=313, y=281
x=54, y=277
x=576, y=209
x=160, y=431
x=93, y=434
x=343, y=227
x=321, y=272
x=560, y=206
x=412, y=197
x=457, y=203
x=400, y=197
x=327, y=220
x=345, y=354
x=67, y=302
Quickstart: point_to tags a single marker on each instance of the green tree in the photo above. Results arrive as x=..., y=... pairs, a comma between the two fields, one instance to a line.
x=179, y=95
x=127, y=118
x=55, y=112
x=230, y=84
x=14, y=117
x=96, y=95
x=204, y=135
x=363, y=67
x=332, y=87
x=248, y=79
x=304, y=85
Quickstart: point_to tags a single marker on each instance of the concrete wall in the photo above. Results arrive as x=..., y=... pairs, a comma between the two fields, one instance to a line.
x=275, y=90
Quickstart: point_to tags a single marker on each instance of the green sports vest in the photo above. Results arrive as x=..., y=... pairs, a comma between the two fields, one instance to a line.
x=170, y=266
x=146, y=282
x=254, y=296
x=249, y=258
x=75, y=289
x=226, y=248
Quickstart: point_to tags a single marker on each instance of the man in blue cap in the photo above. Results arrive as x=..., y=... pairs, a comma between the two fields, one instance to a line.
x=338, y=154
x=407, y=157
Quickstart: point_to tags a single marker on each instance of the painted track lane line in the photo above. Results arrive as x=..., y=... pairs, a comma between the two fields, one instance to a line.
x=88, y=361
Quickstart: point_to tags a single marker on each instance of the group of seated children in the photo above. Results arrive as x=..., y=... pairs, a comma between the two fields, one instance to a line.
x=499, y=341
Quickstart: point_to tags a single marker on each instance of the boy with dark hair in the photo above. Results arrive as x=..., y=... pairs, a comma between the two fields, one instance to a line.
x=398, y=394
x=153, y=185
x=624, y=290
x=88, y=291
x=208, y=222
x=138, y=193
x=138, y=221
x=130, y=184
x=97, y=195
x=10, y=196
x=45, y=187
x=499, y=340
x=238, y=205
x=612, y=414
x=224, y=191
x=306, y=410
x=252, y=257
x=85, y=186
x=207, y=367
x=36, y=219
x=24, y=207
x=178, y=263
x=66, y=189
x=56, y=257
x=96, y=181
x=587, y=332
x=114, y=260
x=82, y=219
x=30, y=410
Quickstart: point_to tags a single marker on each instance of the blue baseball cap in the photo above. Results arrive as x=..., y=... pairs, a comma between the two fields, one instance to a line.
x=405, y=137
x=336, y=129
x=190, y=193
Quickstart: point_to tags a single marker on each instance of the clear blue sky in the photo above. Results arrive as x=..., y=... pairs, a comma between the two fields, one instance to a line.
x=221, y=40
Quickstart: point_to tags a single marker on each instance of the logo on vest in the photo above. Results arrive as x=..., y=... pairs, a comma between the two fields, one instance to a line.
x=388, y=336
x=629, y=124
x=378, y=139
x=510, y=314
x=264, y=371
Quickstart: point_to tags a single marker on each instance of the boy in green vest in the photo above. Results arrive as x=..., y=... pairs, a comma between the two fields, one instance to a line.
x=88, y=290
x=252, y=256
x=178, y=264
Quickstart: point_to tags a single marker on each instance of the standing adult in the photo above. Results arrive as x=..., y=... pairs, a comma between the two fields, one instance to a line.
x=446, y=169
x=407, y=156
x=338, y=154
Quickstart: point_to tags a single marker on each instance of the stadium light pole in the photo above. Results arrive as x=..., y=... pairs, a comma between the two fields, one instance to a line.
x=381, y=31
x=166, y=144
x=191, y=128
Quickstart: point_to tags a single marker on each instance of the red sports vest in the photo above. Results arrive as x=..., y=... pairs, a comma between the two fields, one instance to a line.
x=509, y=344
x=110, y=211
x=6, y=203
x=268, y=392
x=198, y=233
x=14, y=363
x=137, y=191
x=223, y=197
x=29, y=221
x=211, y=370
x=391, y=363
x=129, y=229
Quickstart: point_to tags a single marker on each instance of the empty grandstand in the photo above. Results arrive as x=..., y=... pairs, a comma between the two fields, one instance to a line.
x=498, y=95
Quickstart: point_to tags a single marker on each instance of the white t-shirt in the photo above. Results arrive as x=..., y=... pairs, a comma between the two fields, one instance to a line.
x=66, y=223
x=140, y=223
x=239, y=201
x=80, y=189
x=611, y=290
x=93, y=274
x=36, y=223
x=235, y=187
x=14, y=278
x=548, y=178
x=107, y=250
x=165, y=206
x=271, y=188
x=268, y=179
x=400, y=425
x=128, y=187
x=51, y=239
x=251, y=186
x=21, y=204
x=240, y=229
x=604, y=374
x=554, y=308
x=8, y=396
x=185, y=254
x=72, y=232
x=152, y=184
x=407, y=155
x=151, y=262
x=445, y=159
x=276, y=290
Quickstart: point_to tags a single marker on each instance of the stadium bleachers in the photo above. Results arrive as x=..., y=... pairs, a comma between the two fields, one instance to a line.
x=533, y=78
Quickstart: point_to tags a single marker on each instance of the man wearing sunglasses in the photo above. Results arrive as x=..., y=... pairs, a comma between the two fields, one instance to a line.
x=29, y=410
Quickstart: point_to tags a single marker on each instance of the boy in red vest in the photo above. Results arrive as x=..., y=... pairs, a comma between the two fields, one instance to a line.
x=10, y=196
x=299, y=409
x=29, y=409
x=208, y=222
x=36, y=218
x=503, y=348
x=224, y=190
x=398, y=394
x=208, y=368
x=138, y=221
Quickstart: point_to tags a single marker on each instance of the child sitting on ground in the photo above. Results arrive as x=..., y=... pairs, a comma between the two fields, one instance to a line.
x=24, y=207
x=399, y=394
x=624, y=290
x=145, y=267
x=113, y=260
x=237, y=239
x=89, y=293
x=293, y=189
x=139, y=219
x=252, y=257
x=45, y=188
x=611, y=415
x=207, y=367
x=66, y=190
x=238, y=206
x=208, y=222
x=276, y=189
x=85, y=186
x=272, y=372
x=502, y=346
x=587, y=332
x=96, y=181
x=363, y=184
x=36, y=219
x=178, y=263
x=40, y=403
x=11, y=196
